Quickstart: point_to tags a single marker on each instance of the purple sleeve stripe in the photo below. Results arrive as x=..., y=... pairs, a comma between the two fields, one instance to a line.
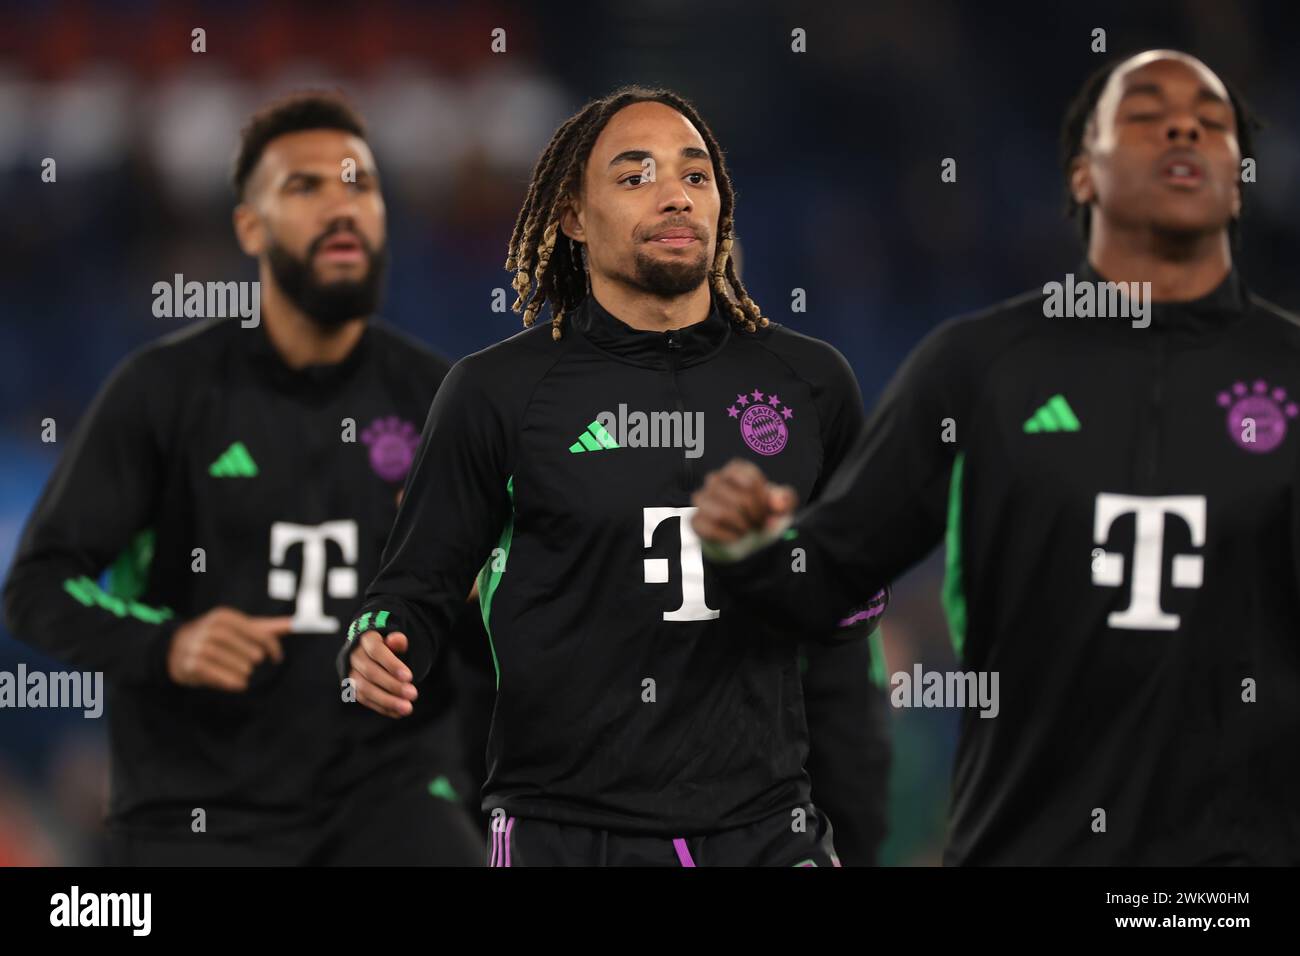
x=865, y=614
x=683, y=852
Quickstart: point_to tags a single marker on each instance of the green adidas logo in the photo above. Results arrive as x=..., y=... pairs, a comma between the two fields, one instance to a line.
x=235, y=462
x=1055, y=415
x=595, y=438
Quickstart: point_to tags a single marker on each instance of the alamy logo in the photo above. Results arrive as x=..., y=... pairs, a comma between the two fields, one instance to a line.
x=133, y=911
x=694, y=607
x=308, y=590
x=82, y=691
x=1086, y=299
x=392, y=442
x=208, y=300
x=1257, y=415
x=762, y=421
x=1144, y=612
x=634, y=429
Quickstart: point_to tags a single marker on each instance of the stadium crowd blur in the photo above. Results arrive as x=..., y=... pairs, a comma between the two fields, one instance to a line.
x=835, y=154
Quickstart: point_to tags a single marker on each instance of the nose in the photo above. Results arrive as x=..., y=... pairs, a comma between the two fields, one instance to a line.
x=1183, y=127
x=674, y=198
x=341, y=223
x=344, y=202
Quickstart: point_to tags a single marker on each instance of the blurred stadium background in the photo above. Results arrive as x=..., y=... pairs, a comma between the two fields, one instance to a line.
x=835, y=155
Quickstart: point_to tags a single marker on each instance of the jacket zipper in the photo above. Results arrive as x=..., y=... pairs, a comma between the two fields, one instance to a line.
x=1152, y=457
x=674, y=346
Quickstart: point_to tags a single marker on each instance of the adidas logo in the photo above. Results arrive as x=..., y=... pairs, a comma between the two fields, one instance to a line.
x=595, y=438
x=1054, y=416
x=235, y=462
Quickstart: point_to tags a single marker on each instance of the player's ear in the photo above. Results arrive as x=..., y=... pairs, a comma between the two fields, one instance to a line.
x=248, y=230
x=571, y=223
x=1081, y=187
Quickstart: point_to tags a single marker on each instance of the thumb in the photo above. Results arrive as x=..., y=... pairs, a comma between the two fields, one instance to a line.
x=396, y=642
x=781, y=499
x=267, y=632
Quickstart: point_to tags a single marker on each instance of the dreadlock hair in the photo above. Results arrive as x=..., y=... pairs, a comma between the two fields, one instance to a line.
x=547, y=272
x=1075, y=127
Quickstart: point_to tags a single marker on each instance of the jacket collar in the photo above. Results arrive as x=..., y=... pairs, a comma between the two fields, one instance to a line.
x=309, y=378
x=682, y=347
x=1222, y=305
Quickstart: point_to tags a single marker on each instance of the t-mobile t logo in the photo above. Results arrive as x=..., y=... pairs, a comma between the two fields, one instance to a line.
x=1144, y=612
x=694, y=607
x=309, y=609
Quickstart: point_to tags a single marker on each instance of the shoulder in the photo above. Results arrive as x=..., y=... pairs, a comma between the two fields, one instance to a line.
x=994, y=325
x=519, y=361
x=504, y=375
x=1285, y=325
x=808, y=357
x=395, y=346
x=179, y=356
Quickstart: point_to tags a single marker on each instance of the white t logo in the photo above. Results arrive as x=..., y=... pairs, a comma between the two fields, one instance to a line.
x=694, y=607
x=1144, y=612
x=309, y=609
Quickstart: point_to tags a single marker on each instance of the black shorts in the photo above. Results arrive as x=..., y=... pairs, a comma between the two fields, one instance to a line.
x=393, y=825
x=783, y=839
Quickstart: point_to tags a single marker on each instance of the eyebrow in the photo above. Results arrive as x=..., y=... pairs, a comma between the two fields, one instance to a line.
x=638, y=155
x=306, y=176
x=1154, y=89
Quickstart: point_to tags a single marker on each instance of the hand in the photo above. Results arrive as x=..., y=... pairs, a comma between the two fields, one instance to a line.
x=736, y=500
x=383, y=683
x=221, y=648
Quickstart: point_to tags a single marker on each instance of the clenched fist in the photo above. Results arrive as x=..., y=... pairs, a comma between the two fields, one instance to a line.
x=221, y=648
x=736, y=502
x=383, y=683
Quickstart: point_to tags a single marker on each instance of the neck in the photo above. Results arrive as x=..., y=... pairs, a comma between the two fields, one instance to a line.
x=1179, y=267
x=650, y=313
x=300, y=340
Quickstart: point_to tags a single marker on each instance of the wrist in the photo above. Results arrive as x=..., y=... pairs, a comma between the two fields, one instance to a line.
x=743, y=547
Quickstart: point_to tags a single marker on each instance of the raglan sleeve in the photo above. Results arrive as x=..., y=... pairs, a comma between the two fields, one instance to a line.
x=843, y=418
x=882, y=510
x=454, y=506
x=99, y=499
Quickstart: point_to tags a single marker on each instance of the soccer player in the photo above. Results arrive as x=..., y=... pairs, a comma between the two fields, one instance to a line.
x=1122, y=509
x=641, y=718
x=240, y=481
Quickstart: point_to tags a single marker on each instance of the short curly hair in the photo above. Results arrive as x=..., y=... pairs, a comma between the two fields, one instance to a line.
x=303, y=110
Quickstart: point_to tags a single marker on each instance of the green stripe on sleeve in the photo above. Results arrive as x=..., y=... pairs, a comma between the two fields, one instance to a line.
x=954, y=593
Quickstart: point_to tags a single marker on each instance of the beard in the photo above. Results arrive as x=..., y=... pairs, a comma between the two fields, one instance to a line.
x=668, y=279
x=329, y=304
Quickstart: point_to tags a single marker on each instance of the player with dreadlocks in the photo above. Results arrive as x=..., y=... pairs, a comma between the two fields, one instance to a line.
x=1121, y=500
x=640, y=717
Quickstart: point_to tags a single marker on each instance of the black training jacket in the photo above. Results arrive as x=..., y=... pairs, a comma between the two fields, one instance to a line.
x=633, y=695
x=1121, y=508
x=207, y=440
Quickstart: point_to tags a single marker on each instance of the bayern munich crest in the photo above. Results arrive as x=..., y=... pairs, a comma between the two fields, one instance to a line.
x=763, y=421
x=392, y=442
x=1267, y=409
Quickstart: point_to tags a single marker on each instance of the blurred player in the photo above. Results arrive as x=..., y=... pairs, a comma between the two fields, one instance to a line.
x=849, y=746
x=639, y=718
x=241, y=481
x=1122, y=505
